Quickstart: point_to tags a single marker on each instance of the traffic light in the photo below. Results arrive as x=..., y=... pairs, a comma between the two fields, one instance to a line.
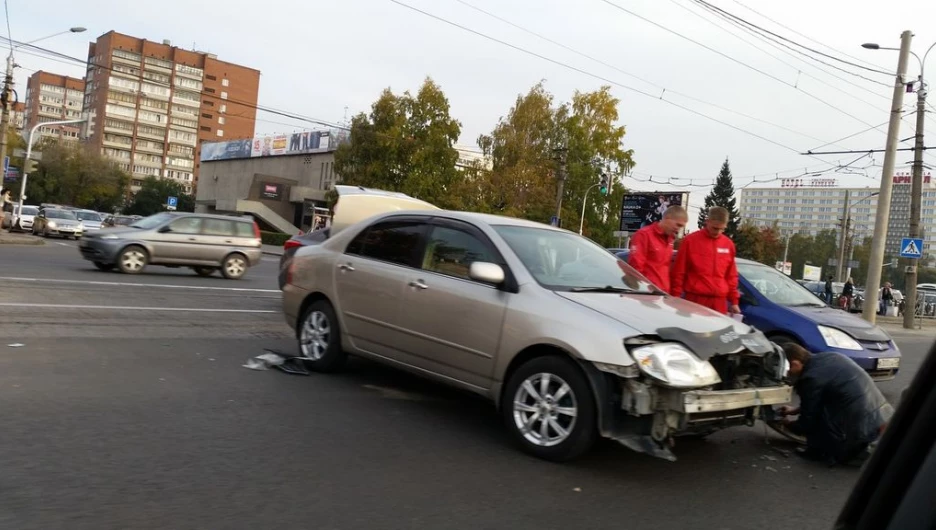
x=603, y=184
x=31, y=166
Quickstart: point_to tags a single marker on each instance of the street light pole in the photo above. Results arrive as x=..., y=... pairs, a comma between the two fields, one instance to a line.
x=29, y=146
x=843, y=234
x=876, y=261
x=584, y=203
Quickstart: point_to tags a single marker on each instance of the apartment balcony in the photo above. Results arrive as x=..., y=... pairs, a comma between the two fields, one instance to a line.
x=138, y=161
x=146, y=148
x=196, y=76
x=187, y=102
x=130, y=62
x=157, y=68
x=118, y=130
x=190, y=143
x=153, y=135
x=124, y=143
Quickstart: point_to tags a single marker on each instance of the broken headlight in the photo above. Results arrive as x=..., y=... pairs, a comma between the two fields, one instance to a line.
x=674, y=365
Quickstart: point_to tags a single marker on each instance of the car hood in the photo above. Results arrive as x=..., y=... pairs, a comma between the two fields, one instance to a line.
x=92, y=224
x=649, y=313
x=836, y=318
x=64, y=222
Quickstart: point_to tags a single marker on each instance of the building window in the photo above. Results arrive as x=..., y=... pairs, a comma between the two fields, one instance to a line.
x=208, y=103
x=223, y=95
x=220, y=120
x=211, y=78
x=206, y=115
x=225, y=82
x=220, y=132
x=210, y=90
x=223, y=108
x=206, y=129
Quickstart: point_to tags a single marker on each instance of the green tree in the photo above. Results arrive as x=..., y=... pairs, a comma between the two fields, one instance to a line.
x=77, y=175
x=153, y=195
x=813, y=250
x=723, y=195
x=527, y=147
x=405, y=144
x=759, y=243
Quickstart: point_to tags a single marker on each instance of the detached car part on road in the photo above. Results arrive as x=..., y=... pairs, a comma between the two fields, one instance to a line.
x=569, y=341
x=206, y=243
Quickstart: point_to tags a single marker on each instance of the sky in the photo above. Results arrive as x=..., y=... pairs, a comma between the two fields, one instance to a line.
x=330, y=60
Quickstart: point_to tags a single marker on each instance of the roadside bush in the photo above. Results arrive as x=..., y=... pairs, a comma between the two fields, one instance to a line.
x=274, y=238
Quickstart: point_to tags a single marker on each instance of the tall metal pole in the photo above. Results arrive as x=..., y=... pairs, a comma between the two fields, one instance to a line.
x=6, y=98
x=843, y=235
x=876, y=260
x=584, y=203
x=560, y=182
x=916, y=193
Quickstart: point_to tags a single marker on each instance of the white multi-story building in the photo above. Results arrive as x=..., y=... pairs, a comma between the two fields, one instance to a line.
x=810, y=206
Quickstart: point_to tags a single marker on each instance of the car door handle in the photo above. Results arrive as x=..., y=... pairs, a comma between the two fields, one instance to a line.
x=193, y=239
x=419, y=284
x=346, y=267
x=228, y=241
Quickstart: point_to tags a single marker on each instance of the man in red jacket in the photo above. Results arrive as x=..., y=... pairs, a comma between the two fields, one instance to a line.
x=651, y=248
x=705, y=269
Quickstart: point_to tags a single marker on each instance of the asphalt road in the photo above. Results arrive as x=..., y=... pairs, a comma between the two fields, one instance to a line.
x=126, y=405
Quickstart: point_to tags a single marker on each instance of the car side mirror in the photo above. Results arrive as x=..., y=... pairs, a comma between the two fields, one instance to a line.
x=165, y=229
x=482, y=271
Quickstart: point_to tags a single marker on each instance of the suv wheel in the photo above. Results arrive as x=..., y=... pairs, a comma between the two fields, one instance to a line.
x=234, y=266
x=320, y=338
x=549, y=409
x=132, y=260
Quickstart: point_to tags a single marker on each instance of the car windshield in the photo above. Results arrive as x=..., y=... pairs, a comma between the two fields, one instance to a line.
x=562, y=261
x=89, y=216
x=30, y=210
x=152, y=221
x=776, y=286
x=60, y=214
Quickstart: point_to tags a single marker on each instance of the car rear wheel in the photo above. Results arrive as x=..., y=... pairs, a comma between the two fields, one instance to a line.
x=203, y=271
x=106, y=267
x=320, y=338
x=132, y=260
x=234, y=267
x=549, y=409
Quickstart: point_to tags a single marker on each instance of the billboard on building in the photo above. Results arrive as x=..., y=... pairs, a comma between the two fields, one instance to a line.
x=641, y=209
x=275, y=144
x=271, y=190
x=812, y=273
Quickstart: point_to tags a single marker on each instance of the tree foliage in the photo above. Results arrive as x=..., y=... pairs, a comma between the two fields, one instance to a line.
x=77, y=175
x=723, y=194
x=759, y=243
x=813, y=250
x=405, y=144
x=153, y=195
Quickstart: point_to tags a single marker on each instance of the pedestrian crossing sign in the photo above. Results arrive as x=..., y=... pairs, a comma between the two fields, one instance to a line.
x=911, y=247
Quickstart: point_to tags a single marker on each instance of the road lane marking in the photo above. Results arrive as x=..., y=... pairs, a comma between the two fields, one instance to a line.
x=132, y=308
x=130, y=284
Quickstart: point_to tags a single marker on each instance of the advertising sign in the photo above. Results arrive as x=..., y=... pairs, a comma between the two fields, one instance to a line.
x=641, y=209
x=906, y=177
x=811, y=273
x=808, y=183
x=275, y=144
x=272, y=191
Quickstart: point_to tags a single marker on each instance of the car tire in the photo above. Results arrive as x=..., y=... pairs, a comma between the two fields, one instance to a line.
x=106, y=267
x=203, y=271
x=234, y=266
x=132, y=260
x=319, y=337
x=570, y=428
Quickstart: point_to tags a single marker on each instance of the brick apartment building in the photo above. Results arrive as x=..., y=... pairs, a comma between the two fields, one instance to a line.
x=151, y=104
x=18, y=117
x=53, y=97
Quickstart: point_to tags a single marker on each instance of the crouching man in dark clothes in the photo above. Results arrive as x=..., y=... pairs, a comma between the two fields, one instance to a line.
x=841, y=410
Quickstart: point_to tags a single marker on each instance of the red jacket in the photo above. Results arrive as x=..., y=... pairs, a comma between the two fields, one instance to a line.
x=651, y=253
x=706, y=267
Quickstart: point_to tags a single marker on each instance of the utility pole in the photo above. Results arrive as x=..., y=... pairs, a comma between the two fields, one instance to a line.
x=6, y=99
x=843, y=235
x=916, y=193
x=876, y=260
x=560, y=181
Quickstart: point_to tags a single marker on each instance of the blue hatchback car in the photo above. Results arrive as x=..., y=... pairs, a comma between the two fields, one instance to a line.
x=786, y=311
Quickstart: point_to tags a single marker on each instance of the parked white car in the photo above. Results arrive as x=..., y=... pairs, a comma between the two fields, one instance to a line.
x=23, y=222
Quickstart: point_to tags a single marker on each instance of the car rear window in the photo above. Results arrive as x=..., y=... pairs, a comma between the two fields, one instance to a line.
x=218, y=227
x=244, y=229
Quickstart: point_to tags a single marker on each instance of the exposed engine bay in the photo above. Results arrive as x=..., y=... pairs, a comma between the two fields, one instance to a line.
x=734, y=378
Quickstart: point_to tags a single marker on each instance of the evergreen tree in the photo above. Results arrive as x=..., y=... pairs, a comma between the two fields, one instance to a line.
x=723, y=195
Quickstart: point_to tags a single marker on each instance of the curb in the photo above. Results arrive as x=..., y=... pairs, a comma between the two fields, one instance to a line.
x=23, y=242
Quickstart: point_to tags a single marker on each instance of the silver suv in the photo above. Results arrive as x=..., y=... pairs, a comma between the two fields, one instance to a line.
x=204, y=242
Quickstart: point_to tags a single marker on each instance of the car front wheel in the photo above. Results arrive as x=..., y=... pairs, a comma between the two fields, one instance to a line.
x=320, y=338
x=549, y=409
x=132, y=260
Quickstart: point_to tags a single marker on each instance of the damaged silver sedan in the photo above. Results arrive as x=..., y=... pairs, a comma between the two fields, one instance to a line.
x=570, y=342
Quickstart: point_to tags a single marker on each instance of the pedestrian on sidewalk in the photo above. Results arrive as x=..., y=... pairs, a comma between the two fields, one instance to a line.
x=886, y=297
x=848, y=291
x=841, y=413
x=705, y=270
x=651, y=248
x=828, y=290
x=6, y=204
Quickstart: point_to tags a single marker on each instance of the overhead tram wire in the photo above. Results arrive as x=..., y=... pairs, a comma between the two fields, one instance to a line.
x=875, y=70
x=742, y=63
x=664, y=89
x=807, y=37
x=773, y=41
x=593, y=75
